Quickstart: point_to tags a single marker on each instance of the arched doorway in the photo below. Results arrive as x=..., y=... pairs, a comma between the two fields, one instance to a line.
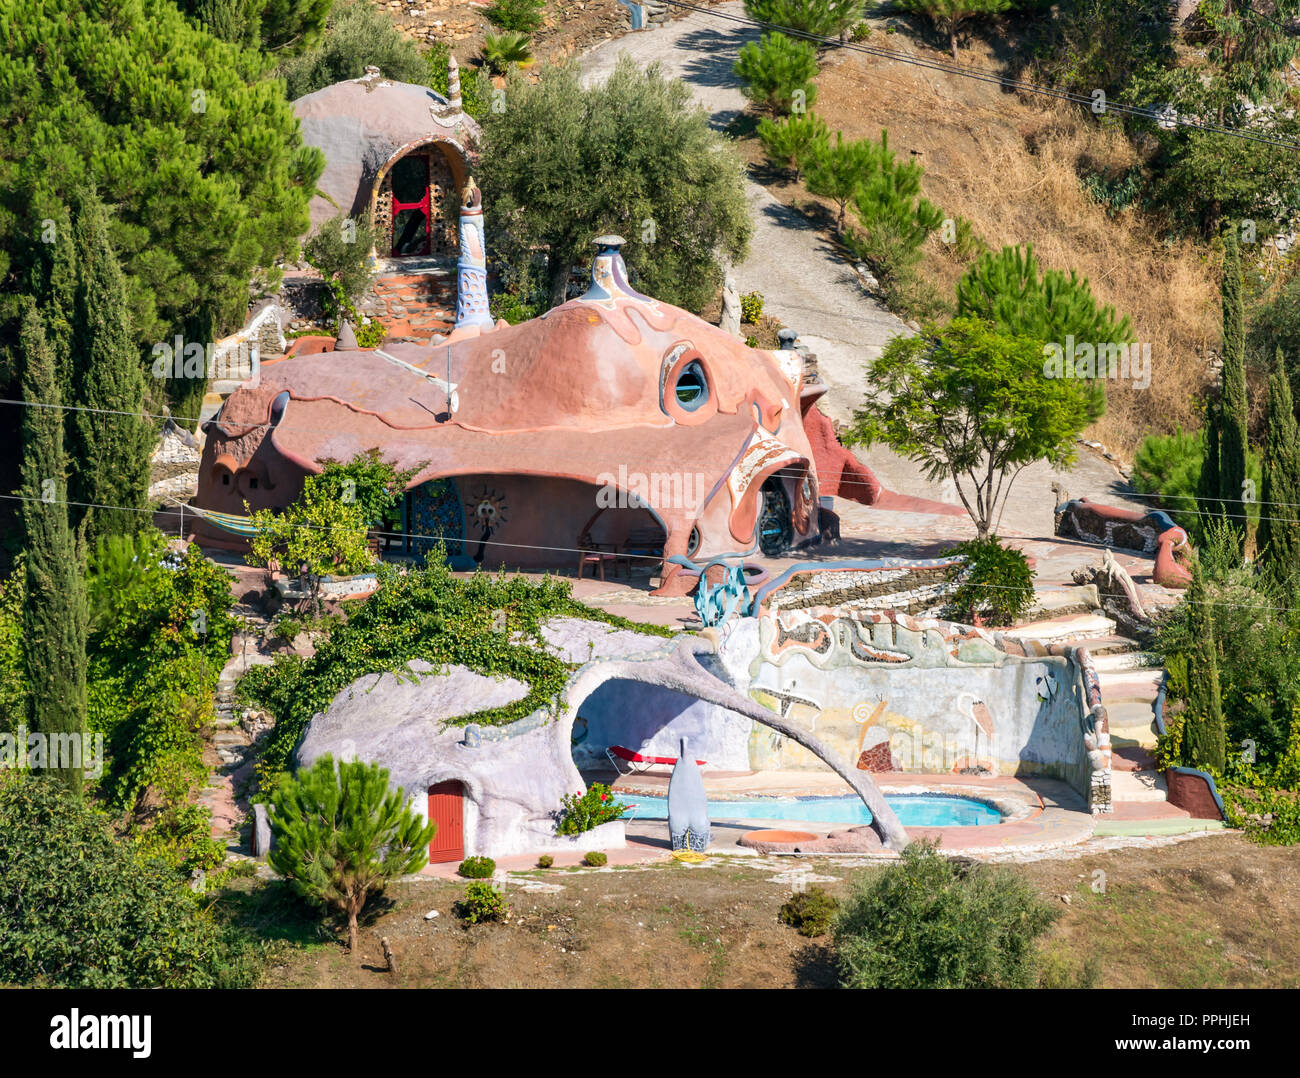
x=447, y=811
x=416, y=204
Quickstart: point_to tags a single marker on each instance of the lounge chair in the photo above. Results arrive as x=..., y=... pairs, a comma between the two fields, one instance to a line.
x=617, y=753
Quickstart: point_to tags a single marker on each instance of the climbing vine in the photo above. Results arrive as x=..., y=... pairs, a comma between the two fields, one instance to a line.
x=490, y=624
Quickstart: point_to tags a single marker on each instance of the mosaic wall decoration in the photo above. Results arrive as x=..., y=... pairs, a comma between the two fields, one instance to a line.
x=436, y=511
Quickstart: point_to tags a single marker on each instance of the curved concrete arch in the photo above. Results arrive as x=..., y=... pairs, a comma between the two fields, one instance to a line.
x=681, y=671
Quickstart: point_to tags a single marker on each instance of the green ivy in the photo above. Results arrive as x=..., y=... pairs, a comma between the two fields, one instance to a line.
x=432, y=615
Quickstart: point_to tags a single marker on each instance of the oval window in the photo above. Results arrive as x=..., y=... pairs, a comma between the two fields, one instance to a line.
x=692, y=388
x=278, y=406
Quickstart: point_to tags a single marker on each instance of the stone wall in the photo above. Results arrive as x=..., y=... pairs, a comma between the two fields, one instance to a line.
x=888, y=584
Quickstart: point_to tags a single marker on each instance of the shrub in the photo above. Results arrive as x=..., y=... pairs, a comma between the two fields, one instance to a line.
x=994, y=582
x=341, y=835
x=477, y=868
x=514, y=307
x=80, y=909
x=375, y=486
x=287, y=628
x=318, y=535
x=775, y=70
x=370, y=333
x=482, y=902
x=339, y=250
x=895, y=219
x=925, y=922
x=948, y=15
x=595, y=859
x=861, y=32
x=817, y=17
x=522, y=15
x=502, y=50
x=582, y=812
x=1007, y=288
x=794, y=141
x=1167, y=468
x=751, y=307
x=964, y=243
x=545, y=861
x=810, y=911
x=357, y=34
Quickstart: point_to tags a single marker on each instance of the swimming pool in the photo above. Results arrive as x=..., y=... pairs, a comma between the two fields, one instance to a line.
x=913, y=810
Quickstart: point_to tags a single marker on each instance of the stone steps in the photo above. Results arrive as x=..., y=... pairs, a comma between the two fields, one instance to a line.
x=1146, y=785
x=1076, y=628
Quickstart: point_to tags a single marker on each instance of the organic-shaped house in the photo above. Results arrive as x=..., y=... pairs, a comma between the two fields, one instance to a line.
x=613, y=419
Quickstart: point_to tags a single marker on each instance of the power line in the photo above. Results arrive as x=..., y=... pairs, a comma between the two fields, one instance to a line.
x=844, y=481
x=466, y=540
x=1157, y=116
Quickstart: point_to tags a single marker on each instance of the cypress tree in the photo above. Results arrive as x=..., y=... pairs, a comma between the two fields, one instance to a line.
x=1207, y=486
x=1204, y=735
x=54, y=607
x=1278, y=540
x=110, y=437
x=1232, y=462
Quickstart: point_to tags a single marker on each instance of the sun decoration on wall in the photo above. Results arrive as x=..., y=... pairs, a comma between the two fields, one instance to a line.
x=490, y=509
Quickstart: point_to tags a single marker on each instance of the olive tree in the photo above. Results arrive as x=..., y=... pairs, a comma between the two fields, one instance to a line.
x=564, y=163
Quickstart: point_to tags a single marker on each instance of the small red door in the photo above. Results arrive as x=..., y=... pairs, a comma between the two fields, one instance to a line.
x=446, y=800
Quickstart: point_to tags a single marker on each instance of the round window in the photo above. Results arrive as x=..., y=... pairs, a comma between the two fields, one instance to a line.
x=692, y=388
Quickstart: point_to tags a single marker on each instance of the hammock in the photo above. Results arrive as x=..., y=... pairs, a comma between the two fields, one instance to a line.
x=228, y=522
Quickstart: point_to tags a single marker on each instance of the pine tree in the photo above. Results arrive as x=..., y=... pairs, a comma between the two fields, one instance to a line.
x=1278, y=541
x=775, y=70
x=111, y=438
x=1204, y=736
x=54, y=609
x=795, y=141
x=342, y=835
x=1233, y=407
x=840, y=170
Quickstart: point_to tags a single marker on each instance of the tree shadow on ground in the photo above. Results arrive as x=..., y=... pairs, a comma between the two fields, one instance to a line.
x=814, y=966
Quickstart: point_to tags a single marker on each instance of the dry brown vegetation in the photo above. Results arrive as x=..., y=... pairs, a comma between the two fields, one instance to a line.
x=1012, y=167
x=1212, y=912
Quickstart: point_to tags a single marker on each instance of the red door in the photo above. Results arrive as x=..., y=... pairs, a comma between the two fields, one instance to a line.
x=411, y=217
x=445, y=809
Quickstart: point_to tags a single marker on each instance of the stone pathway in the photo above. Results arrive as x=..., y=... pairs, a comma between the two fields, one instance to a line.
x=227, y=749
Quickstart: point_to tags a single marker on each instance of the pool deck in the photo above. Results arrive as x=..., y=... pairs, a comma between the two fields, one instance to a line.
x=1045, y=815
x=1042, y=813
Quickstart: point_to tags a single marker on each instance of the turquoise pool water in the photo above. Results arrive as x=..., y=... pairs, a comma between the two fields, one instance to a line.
x=914, y=810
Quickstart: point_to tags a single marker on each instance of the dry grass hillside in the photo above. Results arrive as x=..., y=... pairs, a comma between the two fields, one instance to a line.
x=1011, y=166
